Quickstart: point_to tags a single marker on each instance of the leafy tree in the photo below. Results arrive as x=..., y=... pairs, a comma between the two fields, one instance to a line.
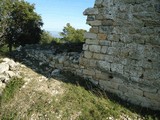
x=47, y=38
x=5, y=6
x=73, y=35
x=23, y=25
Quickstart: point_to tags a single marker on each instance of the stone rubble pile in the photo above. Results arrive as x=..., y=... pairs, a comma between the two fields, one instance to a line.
x=63, y=61
x=8, y=69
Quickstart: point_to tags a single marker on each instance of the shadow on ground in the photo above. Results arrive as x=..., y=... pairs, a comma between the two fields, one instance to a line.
x=45, y=70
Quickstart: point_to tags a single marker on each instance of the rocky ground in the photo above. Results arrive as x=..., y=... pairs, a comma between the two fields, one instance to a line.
x=8, y=69
x=35, y=82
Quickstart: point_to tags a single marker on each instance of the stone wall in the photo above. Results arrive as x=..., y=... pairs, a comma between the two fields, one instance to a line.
x=121, y=53
x=122, y=49
x=68, y=61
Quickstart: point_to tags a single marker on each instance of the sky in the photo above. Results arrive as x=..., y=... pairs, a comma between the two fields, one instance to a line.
x=57, y=13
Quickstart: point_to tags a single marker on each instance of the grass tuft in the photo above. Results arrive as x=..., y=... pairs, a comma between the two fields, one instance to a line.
x=11, y=88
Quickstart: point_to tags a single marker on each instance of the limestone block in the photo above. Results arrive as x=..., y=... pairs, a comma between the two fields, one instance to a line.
x=99, y=16
x=85, y=61
x=154, y=23
x=123, y=61
x=152, y=96
x=113, y=51
x=139, y=38
x=122, y=8
x=55, y=72
x=118, y=44
x=66, y=63
x=157, y=7
x=106, y=85
x=108, y=22
x=107, y=3
x=136, y=99
x=117, y=80
x=4, y=78
x=89, y=72
x=133, y=100
x=135, y=79
x=95, y=82
x=104, y=49
x=105, y=29
x=117, y=30
x=6, y=60
x=94, y=30
x=59, y=66
x=98, y=3
x=10, y=74
x=102, y=36
x=105, y=42
x=98, y=56
x=124, y=52
x=109, y=58
x=110, y=14
x=102, y=76
x=155, y=105
x=123, y=88
x=152, y=39
x=156, y=83
x=52, y=63
x=91, y=11
x=4, y=67
x=90, y=17
x=79, y=72
x=126, y=38
x=98, y=71
x=104, y=65
x=85, y=47
x=93, y=63
x=88, y=54
x=94, y=23
x=11, y=64
x=90, y=35
x=134, y=30
x=136, y=91
x=95, y=48
x=92, y=42
x=149, y=89
x=146, y=103
x=151, y=74
x=61, y=59
x=114, y=37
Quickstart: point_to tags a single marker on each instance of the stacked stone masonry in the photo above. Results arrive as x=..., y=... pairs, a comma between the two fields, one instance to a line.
x=122, y=50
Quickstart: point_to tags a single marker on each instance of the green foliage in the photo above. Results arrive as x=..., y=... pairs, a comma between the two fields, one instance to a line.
x=5, y=6
x=47, y=38
x=3, y=50
x=20, y=25
x=10, y=90
x=72, y=35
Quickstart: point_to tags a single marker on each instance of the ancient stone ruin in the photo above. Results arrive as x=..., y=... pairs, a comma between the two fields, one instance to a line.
x=122, y=49
x=121, y=53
